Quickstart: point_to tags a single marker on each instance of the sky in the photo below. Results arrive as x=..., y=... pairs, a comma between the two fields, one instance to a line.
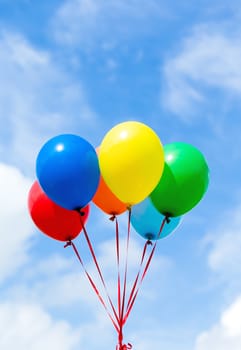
x=83, y=66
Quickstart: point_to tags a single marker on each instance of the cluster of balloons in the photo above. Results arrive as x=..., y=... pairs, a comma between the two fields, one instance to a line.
x=130, y=169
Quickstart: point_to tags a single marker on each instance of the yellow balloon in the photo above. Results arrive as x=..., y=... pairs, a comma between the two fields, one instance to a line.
x=131, y=159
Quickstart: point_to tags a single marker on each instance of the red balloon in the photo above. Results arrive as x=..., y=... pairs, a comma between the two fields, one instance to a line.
x=53, y=220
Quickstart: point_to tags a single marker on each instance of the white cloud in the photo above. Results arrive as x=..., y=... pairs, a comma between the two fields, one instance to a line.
x=225, y=245
x=28, y=326
x=231, y=319
x=226, y=334
x=38, y=100
x=16, y=228
x=210, y=58
x=103, y=23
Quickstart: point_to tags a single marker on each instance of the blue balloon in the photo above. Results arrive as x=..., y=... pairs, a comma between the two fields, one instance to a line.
x=147, y=220
x=67, y=169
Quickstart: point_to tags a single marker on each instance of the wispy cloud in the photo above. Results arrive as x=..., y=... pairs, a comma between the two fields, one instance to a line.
x=208, y=59
x=38, y=99
x=228, y=243
x=98, y=23
x=224, y=246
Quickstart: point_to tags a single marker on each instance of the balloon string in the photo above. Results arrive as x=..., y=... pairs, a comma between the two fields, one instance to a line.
x=70, y=243
x=118, y=268
x=138, y=274
x=122, y=303
x=132, y=301
x=98, y=268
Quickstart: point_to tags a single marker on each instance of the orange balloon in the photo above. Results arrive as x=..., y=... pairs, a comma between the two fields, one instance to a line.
x=105, y=199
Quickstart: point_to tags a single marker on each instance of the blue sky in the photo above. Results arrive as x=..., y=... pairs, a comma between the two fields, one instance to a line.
x=83, y=66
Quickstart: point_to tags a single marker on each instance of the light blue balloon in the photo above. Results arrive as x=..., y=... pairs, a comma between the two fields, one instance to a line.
x=147, y=220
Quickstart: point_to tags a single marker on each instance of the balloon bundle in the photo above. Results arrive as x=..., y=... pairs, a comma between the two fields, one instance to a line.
x=130, y=171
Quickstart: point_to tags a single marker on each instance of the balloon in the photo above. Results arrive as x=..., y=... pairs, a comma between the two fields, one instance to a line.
x=147, y=220
x=184, y=180
x=56, y=222
x=106, y=200
x=131, y=161
x=68, y=170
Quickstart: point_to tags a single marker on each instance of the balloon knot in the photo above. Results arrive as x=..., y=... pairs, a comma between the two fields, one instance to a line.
x=69, y=243
x=124, y=346
x=112, y=218
x=148, y=242
x=79, y=211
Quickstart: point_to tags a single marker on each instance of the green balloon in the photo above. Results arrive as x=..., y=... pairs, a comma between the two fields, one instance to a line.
x=184, y=180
